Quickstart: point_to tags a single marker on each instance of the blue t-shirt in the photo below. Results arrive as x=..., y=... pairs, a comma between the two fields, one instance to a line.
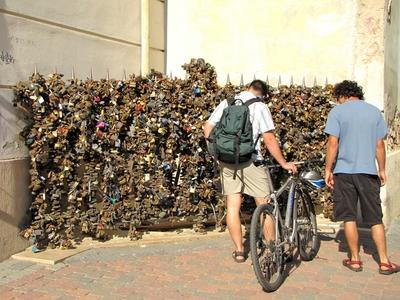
x=358, y=125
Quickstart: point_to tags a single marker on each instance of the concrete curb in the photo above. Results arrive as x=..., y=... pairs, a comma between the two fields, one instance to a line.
x=54, y=256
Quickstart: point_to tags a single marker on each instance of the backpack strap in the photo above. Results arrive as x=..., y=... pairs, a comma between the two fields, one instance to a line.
x=252, y=101
x=248, y=103
x=233, y=100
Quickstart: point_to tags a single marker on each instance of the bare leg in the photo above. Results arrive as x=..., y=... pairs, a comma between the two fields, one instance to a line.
x=269, y=225
x=378, y=235
x=233, y=220
x=351, y=233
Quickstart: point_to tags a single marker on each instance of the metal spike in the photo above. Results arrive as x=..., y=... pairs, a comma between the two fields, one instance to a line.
x=279, y=81
x=35, y=71
x=124, y=78
x=170, y=74
x=108, y=75
x=228, y=79
x=241, y=80
x=91, y=73
x=326, y=80
x=73, y=74
x=254, y=77
x=304, y=82
x=315, y=80
x=267, y=80
x=291, y=80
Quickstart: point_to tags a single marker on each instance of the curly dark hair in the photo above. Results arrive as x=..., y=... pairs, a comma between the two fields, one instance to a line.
x=348, y=88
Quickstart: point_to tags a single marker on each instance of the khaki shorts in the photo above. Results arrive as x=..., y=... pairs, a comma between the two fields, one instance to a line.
x=250, y=180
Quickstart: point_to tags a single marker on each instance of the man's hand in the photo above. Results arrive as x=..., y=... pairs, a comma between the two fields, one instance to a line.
x=331, y=153
x=329, y=179
x=382, y=177
x=289, y=166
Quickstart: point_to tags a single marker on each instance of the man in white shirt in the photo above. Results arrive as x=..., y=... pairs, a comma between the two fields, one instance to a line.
x=252, y=178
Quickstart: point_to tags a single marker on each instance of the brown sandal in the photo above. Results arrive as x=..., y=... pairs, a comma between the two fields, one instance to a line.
x=392, y=268
x=235, y=255
x=348, y=263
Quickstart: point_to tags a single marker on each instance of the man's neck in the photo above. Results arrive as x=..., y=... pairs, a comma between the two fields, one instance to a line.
x=251, y=92
x=353, y=98
x=349, y=99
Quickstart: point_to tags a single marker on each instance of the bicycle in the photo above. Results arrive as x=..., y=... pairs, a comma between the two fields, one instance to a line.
x=273, y=238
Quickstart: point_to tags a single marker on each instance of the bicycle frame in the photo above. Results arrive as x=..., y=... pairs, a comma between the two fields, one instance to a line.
x=291, y=208
x=270, y=255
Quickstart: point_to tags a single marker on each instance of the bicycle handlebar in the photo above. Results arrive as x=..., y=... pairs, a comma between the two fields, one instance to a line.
x=297, y=163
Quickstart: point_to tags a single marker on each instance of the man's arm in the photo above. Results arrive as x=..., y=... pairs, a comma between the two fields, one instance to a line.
x=214, y=118
x=331, y=153
x=273, y=147
x=381, y=159
x=207, y=128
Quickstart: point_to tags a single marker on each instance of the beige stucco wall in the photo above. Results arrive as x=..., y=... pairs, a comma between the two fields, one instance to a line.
x=337, y=39
x=368, y=63
x=157, y=32
x=391, y=192
x=392, y=61
x=391, y=202
x=61, y=35
x=14, y=204
x=70, y=34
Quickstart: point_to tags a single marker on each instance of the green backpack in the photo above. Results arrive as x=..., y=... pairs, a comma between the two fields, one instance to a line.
x=231, y=140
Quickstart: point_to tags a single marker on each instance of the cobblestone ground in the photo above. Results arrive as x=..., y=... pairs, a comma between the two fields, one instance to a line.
x=200, y=269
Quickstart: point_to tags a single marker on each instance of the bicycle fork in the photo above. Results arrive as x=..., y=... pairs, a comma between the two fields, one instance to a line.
x=291, y=214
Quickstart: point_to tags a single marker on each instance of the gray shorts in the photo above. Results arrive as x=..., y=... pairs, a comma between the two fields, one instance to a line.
x=250, y=180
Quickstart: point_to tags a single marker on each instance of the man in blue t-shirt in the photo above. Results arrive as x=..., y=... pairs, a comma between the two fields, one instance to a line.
x=356, y=138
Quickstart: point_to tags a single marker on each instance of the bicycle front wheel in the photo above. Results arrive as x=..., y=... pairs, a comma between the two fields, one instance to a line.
x=266, y=248
x=308, y=240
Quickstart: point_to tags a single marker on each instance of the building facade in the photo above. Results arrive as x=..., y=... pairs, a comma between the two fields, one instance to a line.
x=83, y=37
x=322, y=40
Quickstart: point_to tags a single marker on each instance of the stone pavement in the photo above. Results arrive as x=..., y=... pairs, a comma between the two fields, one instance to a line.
x=200, y=269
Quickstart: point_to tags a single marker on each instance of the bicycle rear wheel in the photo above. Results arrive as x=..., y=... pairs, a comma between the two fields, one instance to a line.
x=308, y=240
x=266, y=248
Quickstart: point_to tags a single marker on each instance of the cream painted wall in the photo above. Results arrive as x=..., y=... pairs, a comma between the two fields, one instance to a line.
x=392, y=61
x=118, y=19
x=157, y=35
x=60, y=34
x=299, y=38
x=369, y=50
x=14, y=204
x=64, y=35
x=338, y=39
x=67, y=35
x=391, y=202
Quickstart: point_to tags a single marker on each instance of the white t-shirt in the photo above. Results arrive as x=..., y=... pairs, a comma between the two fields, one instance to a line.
x=260, y=118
